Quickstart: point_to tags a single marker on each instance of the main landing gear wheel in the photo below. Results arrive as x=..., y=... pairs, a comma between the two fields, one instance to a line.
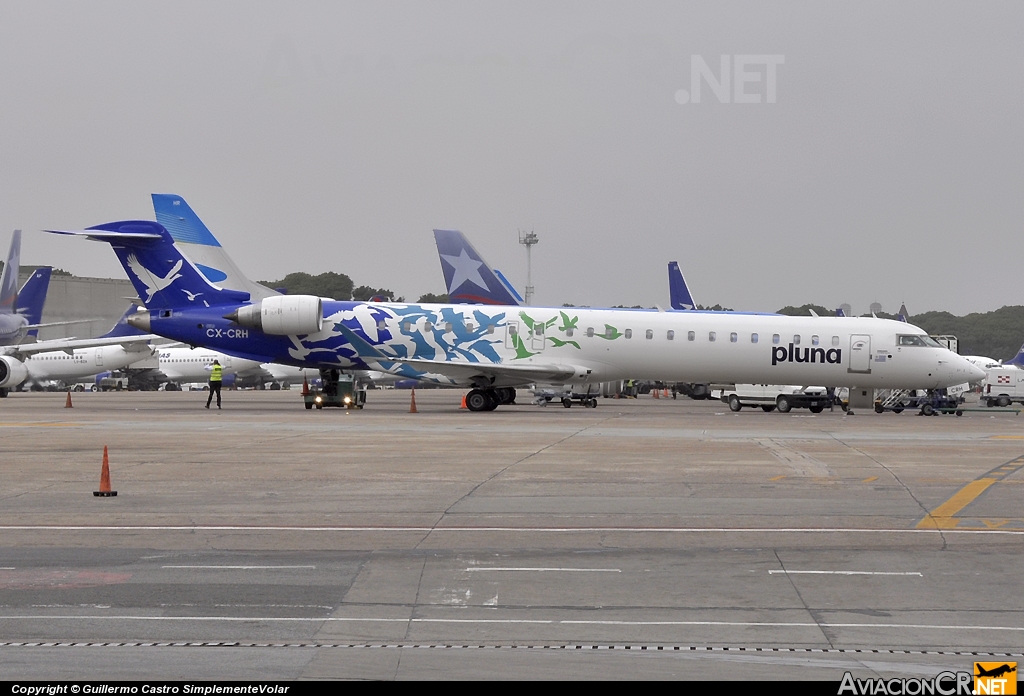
x=506, y=396
x=481, y=400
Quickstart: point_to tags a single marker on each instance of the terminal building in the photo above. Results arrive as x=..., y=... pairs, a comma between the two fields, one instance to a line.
x=97, y=303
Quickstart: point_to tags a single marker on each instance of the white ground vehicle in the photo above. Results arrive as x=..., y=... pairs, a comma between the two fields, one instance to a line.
x=776, y=396
x=1003, y=386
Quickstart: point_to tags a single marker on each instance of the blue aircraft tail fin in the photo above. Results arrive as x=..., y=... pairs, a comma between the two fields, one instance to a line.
x=466, y=275
x=903, y=315
x=9, y=278
x=32, y=297
x=1018, y=359
x=196, y=241
x=840, y=312
x=162, y=275
x=122, y=328
x=679, y=294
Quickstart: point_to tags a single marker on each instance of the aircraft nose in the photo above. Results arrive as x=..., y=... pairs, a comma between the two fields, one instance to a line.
x=977, y=374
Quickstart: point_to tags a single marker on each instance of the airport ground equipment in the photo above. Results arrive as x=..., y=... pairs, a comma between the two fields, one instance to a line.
x=545, y=394
x=1003, y=386
x=775, y=396
x=930, y=402
x=337, y=389
x=695, y=390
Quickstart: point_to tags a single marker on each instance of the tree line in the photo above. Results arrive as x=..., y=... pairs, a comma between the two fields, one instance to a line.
x=339, y=286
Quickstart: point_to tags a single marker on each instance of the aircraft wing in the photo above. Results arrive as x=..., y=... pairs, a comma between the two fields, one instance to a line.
x=70, y=344
x=488, y=372
x=61, y=323
x=485, y=372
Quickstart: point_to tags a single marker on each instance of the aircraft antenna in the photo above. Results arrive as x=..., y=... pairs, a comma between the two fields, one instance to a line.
x=528, y=239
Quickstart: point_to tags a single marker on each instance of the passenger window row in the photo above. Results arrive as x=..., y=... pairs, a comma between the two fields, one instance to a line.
x=609, y=332
x=734, y=337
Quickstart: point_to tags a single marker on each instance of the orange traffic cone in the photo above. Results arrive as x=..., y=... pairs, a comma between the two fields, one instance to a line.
x=104, y=491
x=305, y=387
x=412, y=404
x=464, y=402
x=664, y=393
x=654, y=393
x=67, y=404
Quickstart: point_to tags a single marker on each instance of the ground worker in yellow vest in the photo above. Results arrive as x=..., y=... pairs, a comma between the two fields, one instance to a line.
x=216, y=375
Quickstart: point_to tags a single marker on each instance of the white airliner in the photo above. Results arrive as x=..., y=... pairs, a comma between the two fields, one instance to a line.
x=495, y=349
x=183, y=365
x=62, y=366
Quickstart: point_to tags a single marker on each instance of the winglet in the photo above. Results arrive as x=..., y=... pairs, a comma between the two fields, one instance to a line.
x=32, y=297
x=9, y=278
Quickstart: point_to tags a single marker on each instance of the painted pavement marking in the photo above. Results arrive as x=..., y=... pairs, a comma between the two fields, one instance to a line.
x=943, y=517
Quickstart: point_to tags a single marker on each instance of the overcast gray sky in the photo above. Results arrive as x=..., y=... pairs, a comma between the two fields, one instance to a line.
x=334, y=136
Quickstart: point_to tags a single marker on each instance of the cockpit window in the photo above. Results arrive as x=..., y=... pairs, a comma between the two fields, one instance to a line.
x=910, y=340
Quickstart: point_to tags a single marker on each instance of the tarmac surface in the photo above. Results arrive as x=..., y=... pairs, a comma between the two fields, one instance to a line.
x=643, y=539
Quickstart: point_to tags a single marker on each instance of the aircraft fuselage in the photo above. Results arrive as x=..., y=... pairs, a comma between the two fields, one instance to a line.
x=602, y=344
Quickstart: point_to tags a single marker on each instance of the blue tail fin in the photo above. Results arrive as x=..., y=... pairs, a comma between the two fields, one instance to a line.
x=197, y=243
x=32, y=297
x=122, y=328
x=840, y=312
x=679, y=294
x=163, y=276
x=466, y=275
x=1018, y=359
x=903, y=316
x=9, y=278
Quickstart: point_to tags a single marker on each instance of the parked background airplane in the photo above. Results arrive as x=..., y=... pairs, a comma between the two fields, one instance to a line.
x=24, y=322
x=21, y=310
x=495, y=349
x=36, y=364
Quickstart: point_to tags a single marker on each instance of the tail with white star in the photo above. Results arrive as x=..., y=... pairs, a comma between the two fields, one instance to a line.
x=467, y=276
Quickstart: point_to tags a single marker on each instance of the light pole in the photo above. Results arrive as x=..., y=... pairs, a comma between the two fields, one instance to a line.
x=528, y=239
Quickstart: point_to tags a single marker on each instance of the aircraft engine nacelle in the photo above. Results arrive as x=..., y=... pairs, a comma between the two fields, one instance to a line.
x=284, y=315
x=12, y=372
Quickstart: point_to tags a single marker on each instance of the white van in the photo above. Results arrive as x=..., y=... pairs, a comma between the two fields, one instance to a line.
x=1003, y=386
x=772, y=396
